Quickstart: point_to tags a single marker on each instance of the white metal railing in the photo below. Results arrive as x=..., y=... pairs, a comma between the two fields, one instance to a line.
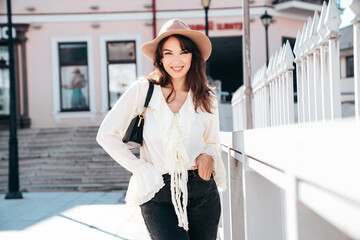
x=273, y=102
x=317, y=71
x=296, y=181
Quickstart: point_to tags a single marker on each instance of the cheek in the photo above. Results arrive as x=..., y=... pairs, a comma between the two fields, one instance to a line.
x=165, y=61
x=189, y=58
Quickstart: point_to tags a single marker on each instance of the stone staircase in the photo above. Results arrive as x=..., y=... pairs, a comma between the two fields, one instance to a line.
x=62, y=159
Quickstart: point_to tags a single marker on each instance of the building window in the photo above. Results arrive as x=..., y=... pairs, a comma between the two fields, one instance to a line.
x=74, y=84
x=4, y=81
x=350, y=66
x=121, y=67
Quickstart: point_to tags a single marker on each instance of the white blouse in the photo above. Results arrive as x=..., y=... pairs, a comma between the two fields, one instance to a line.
x=171, y=142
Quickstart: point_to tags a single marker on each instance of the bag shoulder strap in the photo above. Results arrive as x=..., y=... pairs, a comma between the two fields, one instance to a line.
x=148, y=95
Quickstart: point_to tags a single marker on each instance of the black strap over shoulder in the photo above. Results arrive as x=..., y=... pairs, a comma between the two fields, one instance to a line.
x=149, y=94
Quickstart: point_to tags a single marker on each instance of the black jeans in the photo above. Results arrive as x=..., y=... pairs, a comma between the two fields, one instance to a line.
x=203, y=211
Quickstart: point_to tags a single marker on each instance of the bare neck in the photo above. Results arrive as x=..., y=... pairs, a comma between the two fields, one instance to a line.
x=179, y=85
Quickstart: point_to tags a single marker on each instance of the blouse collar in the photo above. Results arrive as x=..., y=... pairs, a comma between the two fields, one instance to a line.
x=164, y=114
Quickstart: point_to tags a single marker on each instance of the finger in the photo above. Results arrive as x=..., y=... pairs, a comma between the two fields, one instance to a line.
x=204, y=175
x=206, y=178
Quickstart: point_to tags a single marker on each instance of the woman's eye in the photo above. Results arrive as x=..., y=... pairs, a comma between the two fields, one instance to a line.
x=184, y=53
x=167, y=53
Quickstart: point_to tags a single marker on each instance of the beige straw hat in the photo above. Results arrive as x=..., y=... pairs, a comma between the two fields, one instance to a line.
x=176, y=26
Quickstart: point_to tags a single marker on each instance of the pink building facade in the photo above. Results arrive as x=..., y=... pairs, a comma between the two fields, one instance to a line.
x=75, y=58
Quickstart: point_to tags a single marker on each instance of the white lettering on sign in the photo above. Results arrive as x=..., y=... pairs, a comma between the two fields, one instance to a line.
x=218, y=26
x=4, y=32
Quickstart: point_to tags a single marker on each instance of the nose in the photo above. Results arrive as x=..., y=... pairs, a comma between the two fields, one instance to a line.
x=176, y=57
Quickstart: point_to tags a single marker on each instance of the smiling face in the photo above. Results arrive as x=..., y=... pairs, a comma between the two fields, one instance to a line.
x=176, y=61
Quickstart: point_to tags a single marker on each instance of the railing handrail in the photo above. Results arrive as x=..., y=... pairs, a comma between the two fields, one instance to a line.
x=303, y=163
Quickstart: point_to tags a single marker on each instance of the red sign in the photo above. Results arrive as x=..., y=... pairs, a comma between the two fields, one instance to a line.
x=218, y=26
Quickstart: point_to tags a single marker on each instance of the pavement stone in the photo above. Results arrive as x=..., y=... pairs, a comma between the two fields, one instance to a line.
x=71, y=215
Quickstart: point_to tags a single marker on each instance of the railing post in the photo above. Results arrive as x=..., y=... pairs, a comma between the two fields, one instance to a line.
x=332, y=23
x=304, y=88
x=299, y=96
x=272, y=102
x=283, y=87
x=273, y=95
x=355, y=6
x=310, y=71
x=291, y=199
x=267, y=106
x=265, y=97
x=324, y=46
x=271, y=91
x=277, y=90
x=279, y=80
x=244, y=175
x=255, y=109
x=226, y=200
x=317, y=67
x=289, y=59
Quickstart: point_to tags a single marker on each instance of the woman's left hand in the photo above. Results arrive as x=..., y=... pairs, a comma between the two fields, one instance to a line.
x=205, y=165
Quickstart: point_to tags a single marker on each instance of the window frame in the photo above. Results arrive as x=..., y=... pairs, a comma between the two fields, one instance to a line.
x=103, y=39
x=348, y=73
x=108, y=62
x=57, y=114
x=60, y=80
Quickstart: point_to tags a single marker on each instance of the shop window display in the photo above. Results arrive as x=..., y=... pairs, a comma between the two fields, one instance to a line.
x=74, y=77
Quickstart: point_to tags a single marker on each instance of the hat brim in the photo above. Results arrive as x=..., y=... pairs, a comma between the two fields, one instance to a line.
x=200, y=39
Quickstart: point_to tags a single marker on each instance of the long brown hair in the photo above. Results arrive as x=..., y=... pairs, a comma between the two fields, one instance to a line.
x=195, y=78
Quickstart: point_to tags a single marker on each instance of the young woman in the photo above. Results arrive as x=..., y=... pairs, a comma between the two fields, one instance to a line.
x=177, y=178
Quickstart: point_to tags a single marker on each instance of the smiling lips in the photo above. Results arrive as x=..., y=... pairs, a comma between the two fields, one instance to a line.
x=177, y=69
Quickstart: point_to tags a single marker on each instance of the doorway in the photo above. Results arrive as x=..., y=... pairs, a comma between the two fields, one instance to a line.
x=226, y=64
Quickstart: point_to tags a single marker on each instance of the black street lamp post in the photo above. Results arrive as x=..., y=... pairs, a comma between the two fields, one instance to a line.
x=266, y=20
x=14, y=192
x=206, y=5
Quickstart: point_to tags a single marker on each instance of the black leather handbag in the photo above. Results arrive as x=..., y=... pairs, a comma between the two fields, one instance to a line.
x=134, y=134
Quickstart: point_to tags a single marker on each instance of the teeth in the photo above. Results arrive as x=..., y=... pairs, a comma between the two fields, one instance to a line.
x=177, y=68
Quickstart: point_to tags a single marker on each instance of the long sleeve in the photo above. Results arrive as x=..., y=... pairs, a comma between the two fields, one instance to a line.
x=114, y=126
x=146, y=180
x=212, y=146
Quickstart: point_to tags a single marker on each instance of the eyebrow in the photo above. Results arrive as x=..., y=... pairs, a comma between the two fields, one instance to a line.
x=184, y=50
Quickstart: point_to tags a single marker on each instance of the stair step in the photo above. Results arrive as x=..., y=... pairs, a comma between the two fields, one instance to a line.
x=72, y=179
x=75, y=187
x=27, y=162
x=62, y=159
x=56, y=153
x=69, y=187
x=53, y=140
x=69, y=172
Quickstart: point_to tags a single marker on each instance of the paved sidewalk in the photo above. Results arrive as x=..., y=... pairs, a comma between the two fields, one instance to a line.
x=71, y=215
